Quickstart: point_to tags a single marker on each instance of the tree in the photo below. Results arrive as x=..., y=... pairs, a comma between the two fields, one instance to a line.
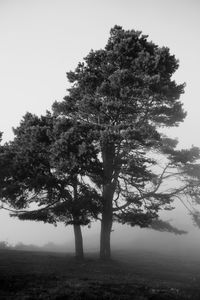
x=45, y=168
x=125, y=95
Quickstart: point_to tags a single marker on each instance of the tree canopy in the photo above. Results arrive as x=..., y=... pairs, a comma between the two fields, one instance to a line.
x=125, y=94
x=46, y=162
x=102, y=152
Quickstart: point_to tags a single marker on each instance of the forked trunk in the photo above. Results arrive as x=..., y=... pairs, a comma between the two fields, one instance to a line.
x=78, y=242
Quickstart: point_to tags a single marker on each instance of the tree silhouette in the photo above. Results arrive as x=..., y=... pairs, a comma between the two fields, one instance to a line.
x=46, y=164
x=125, y=95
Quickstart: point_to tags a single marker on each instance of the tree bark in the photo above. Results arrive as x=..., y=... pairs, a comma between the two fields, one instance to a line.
x=78, y=242
x=108, y=153
x=77, y=228
x=106, y=223
x=105, y=248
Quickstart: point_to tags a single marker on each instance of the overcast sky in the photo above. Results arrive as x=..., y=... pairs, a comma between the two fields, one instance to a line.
x=40, y=40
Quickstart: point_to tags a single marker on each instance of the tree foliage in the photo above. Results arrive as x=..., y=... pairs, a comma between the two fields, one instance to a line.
x=125, y=94
x=45, y=169
x=104, y=146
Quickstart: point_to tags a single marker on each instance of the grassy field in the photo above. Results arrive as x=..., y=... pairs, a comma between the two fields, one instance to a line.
x=130, y=275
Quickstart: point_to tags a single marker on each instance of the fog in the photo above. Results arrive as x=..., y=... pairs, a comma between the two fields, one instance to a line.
x=37, y=236
x=40, y=42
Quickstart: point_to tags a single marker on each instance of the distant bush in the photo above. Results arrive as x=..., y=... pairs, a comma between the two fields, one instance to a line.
x=4, y=245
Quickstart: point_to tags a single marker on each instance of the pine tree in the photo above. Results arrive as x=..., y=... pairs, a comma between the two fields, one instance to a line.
x=45, y=164
x=125, y=95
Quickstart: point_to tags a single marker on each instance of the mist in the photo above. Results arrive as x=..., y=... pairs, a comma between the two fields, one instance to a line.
x=40, y=41
x=123, y=238
x=35, y=58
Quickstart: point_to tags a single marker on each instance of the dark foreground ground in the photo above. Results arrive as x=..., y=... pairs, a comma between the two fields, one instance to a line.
x=135, y=276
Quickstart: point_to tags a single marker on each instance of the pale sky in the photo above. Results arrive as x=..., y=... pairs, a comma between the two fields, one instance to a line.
x=40, y=40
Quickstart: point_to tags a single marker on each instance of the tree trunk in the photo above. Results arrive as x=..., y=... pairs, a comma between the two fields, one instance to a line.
x=78, y=242
x=106, y=223
x=106, y=227
x=77, y=228
x=108, y=153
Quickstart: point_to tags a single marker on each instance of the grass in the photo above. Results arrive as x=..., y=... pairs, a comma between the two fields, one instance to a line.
x=130, y=275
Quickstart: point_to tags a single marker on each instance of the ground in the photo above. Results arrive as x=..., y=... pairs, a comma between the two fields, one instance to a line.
x=130, y=275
